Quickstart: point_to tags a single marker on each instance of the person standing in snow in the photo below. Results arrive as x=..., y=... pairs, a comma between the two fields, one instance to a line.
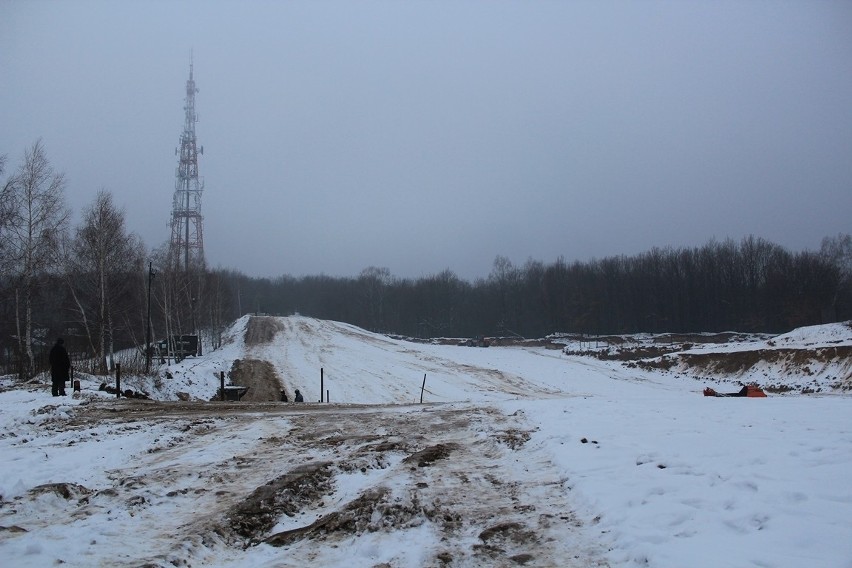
x=298, y=397
x=60, y=368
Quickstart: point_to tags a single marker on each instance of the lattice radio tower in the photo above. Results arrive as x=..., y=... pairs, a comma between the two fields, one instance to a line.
x=187, y=244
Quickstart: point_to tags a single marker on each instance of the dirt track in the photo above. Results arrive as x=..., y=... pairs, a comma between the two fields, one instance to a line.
x=260, y=377
x=263, y=382
x=262, y=329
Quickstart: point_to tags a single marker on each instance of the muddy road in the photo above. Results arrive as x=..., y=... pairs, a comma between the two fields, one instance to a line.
x=299, y=482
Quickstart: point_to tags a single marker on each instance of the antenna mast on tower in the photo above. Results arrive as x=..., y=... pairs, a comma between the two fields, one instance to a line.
x=186, y=247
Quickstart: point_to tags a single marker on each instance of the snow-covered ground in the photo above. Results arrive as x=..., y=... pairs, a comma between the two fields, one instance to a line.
x=538, y=458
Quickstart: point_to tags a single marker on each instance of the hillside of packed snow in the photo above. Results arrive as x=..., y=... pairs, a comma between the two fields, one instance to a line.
x=570, y=451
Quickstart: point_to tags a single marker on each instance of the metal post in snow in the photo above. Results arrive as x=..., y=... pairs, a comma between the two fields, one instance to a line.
x=422, y=388
x=327, y=398
x=222, y=384
x=321, y=383
x=148, y=347
x=118, y=380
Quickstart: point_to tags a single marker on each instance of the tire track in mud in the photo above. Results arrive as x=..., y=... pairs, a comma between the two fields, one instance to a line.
x=461, y=473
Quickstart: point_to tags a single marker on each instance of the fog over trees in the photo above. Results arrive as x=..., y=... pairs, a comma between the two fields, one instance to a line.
x=90, y=285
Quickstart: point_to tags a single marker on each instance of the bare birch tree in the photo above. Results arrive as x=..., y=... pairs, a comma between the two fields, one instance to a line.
x=37, y=218
x=104, y=265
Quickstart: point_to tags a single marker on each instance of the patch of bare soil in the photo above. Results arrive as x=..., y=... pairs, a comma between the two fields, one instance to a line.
x=521, y=342
x=259, y=376
x=628, y=353
x=723, y=337
x=355, y=517
x=262, y=329
x=284, y=495
x=428, y=456
x=660, y=339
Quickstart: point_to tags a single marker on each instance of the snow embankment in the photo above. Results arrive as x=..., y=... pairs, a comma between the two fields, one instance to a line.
x=814, y=359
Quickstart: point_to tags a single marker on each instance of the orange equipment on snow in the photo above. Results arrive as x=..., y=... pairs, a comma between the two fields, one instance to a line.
x=752, y=391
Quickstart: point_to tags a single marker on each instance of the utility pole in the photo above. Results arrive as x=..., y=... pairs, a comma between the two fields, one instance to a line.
x=148, y=346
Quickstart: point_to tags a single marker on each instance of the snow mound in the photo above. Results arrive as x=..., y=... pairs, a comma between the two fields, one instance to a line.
x=817, y=335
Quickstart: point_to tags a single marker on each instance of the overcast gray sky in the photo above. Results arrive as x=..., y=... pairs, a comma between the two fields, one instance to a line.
x=421, y=136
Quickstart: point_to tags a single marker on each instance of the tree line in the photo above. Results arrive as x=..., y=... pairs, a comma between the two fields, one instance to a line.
x=750, y=285
x=99, y=287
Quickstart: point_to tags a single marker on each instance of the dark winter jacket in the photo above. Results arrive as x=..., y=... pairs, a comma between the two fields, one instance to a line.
x=299, y=397
x=60, y=364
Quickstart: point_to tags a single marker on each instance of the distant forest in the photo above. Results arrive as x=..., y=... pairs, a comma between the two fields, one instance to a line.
x=98, y=286
x=751, y=285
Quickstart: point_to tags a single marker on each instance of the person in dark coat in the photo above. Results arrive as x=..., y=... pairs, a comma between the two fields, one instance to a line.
x=299, y=397
x=60, y=368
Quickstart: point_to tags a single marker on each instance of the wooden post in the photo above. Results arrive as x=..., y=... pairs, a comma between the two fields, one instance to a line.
x=222, y=385
x=321, y=383
x=118, y=380
x=422, y=388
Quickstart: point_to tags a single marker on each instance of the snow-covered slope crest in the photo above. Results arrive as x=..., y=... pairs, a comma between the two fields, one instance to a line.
x=352, y=365
x=817, y=336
